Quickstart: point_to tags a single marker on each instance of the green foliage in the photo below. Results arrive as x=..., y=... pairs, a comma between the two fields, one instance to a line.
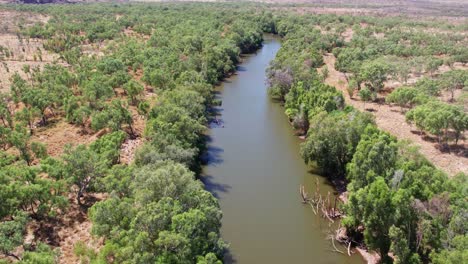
x=401, y=248
x=113, y=116
x=428, y=86
x=82, y=167
x=157, y=212
x=42, y=254
x=457, y=254
x=173, y=209
x=333, y=138
x=97, y=88
x=366, y=94
x=117, y=180
x=374, y=74
x=173, y=125
x=373, y=207
x=406, y=97
x=375, y=156
x=453, y=80
x=108, y=146
x=433, y=64
x=439, y=118
x=312, y=100
x=85, y=253
x=12, y=234
x=133, y=89
x=398, y=201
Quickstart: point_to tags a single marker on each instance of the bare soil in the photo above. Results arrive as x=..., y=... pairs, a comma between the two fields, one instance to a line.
x=24, y=51
x=65, y=231
x=391, y=119
x=59, y=133
x=450, y=9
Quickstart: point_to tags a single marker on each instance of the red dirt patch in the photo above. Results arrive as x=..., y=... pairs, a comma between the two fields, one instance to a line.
x=66, y=230
x=58, y=133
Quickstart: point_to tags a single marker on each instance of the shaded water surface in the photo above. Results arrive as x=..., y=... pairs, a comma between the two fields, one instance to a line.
x=255, y=170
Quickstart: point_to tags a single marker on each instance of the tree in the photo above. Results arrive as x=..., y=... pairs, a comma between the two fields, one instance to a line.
x=96, y=89
x=42, y=254
x=133, y=89
x=400, y=247
x=108, y=146
x=372, y=205
x=27, y=116
x=428, y=86
x=332, y=140
x=20, y=139
x=5, y=111
x=279, y=82
x=117, y=180
x=352, y=86
x=453, y=80
x=366, y=95
x=406, y=97
x=76, y=112
x=437, y=118
x=402, y=70
x=312, y=99
x=12, y=234
x=114, y=116
x=176, y=217
x=433, y=64
x=374, y=73
x=375, y=156
x=82, y=167
x=160, y=150
x=38, y=99
x=173, y=124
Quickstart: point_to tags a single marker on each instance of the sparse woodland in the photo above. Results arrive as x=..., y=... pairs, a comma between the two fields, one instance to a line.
x=150, y=62
x=146, y=72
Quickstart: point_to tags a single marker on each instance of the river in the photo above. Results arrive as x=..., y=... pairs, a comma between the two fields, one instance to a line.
x=255, y=169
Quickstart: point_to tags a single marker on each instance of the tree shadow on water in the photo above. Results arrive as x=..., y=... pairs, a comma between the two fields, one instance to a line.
x=212, y=155
x=214, y=187
x=229, y=258
x=241, y=68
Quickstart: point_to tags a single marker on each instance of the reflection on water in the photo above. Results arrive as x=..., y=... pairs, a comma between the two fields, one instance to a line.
x=254, y=168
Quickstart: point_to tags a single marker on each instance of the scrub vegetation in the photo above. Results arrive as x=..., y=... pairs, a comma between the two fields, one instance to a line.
x=398, y=202
x=119, y=64
x=142, y=75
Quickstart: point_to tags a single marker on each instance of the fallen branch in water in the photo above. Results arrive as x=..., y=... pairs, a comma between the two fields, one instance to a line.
x=334, y=246
x=349, y=249
x=319, y=204
x=303, y=194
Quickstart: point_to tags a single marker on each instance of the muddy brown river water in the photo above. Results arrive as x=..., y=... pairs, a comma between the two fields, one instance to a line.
x=255, y=169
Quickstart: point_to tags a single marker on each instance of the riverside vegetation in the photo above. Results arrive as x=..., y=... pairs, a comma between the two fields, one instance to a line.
x=398, y=201
x=159, y=63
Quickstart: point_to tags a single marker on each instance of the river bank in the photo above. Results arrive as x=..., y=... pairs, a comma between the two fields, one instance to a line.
x=254, y=169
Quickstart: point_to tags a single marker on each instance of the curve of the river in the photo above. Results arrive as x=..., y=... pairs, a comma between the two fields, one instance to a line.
x=255, y=170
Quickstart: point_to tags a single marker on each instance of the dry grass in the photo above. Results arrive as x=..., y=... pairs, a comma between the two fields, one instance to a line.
x=58, y=133
x=451, y=9
x=66, y=230
x=24, y=51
